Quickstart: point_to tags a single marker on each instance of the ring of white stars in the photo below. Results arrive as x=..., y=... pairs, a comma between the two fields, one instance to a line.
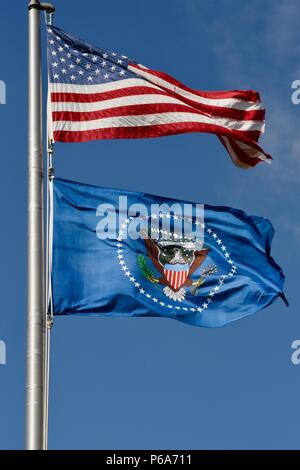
x=168, y=305
x=92, y=67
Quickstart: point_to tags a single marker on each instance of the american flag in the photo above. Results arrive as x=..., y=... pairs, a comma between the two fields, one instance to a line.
x=95, y=94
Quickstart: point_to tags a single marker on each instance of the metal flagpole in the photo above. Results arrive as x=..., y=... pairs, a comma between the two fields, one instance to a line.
x=35, y=379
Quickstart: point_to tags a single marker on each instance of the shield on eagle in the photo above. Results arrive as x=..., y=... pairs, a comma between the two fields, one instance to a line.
x=176, y=260
x=176, y=274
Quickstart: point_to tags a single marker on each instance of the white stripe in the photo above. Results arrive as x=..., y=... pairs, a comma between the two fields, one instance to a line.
x=220, y=102
x=115, y=102
x=155, y=119
x=102, y=88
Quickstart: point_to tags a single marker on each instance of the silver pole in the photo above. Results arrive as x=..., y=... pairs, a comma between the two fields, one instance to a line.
x=35, y=379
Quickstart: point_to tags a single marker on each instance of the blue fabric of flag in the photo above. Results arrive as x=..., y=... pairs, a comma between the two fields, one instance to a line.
x=231, y=271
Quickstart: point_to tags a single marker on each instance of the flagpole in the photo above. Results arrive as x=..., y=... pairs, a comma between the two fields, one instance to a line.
x=36, y=315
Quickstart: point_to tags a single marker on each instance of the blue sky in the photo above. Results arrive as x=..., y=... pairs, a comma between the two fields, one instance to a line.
x=157, y=383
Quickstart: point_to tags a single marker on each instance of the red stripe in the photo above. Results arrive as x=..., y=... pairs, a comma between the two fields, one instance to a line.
x=129, y=110
x=177, y=278
x=237, y=114
x=137, y=133
x=180, y=279
x=240, y=154
x=152, y=131
x=107, y=95
x=245, y=95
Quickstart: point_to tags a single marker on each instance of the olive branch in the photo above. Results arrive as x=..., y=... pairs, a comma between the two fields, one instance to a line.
x=145, y=270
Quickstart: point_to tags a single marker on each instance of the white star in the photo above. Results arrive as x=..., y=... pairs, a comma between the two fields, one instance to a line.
x=105, y=55
x=85, y=54
x=103, y=63
x=54, y=53
x=97, y=72
x=113, y=54
x=81, y=72
x=71, y=66
x=106, y=75
x=55, y=76
x=73, y=77
x=88, y=66
x=51, y=41
x=113, y=68
x=49, y=30
x=67, y=46
x=124, y=57
x=122, y=72
x=64, y=71
x=219, y=241
x=69, y=55
x=62, y=59
x=90, y=79
x=120, y=61
x=148, y=296
x=55, y=64
x=78, y=60
x=94, y=59
x=155, y=300
x=60, y=49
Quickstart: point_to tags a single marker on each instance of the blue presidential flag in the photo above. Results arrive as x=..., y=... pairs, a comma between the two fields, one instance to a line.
x=130, y=254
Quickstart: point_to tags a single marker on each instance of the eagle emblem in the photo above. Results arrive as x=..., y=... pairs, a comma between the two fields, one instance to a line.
x=176, y=260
